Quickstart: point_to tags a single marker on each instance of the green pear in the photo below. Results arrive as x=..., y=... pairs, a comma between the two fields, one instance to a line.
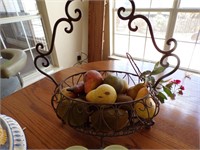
x=73, y=113
x=109, y=119
x=115, y=82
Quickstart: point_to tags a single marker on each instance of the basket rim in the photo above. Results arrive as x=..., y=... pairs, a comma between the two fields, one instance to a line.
x=108, y=104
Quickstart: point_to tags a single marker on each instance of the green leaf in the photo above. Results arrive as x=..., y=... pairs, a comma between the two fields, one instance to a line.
x=169, y=85
x=158, y=70
x=167, y=91
x=164, y=81
x=151, y=80
x=158, y=88
x=156, y=64
x=145, y=73
x=161, y=97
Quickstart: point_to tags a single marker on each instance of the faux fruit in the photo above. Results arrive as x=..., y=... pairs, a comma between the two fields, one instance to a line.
x=68, y=93
x=119, y=84
x=145, y=108
x=78, y=88
x=104, y=93
x=133, y=90
x=72, y=113
x=92, y=79
x=62, y=109
x=142, y=93
x=109, y=119
x=125, y=86
x=123, y=98
x=102, y=109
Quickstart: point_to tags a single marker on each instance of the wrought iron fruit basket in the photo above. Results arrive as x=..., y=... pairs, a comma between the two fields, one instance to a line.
x=105, y=120
x=115, y=119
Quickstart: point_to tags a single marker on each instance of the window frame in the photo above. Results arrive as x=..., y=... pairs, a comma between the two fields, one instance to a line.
x=24, y=39
x=173, y=13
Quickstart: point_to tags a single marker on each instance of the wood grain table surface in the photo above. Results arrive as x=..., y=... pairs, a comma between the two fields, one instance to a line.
x=176, y=126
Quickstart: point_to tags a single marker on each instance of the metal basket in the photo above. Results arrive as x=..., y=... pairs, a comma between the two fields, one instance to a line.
x=106, y=120
x=95, y=119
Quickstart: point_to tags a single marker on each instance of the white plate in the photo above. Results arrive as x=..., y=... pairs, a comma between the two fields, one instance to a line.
x=15, y=135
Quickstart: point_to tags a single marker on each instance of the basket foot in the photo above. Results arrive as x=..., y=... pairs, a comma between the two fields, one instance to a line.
x=101, y=142
x=150, y=124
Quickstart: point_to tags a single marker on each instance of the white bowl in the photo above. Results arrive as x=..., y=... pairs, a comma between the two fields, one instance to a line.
x=76, y=147
x=115, y=147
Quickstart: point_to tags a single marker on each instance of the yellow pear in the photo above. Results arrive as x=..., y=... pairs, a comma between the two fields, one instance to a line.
x=142, y=93
x=145, y=108
x=133, y=90
x=104, y=93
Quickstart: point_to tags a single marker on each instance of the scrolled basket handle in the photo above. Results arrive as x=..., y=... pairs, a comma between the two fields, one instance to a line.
x=166, y=65
x=166, y=53
x=39, y=46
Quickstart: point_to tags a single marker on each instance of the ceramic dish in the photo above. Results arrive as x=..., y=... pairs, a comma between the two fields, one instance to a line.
x=15, y=135
x=76, y=147
x=115, y=147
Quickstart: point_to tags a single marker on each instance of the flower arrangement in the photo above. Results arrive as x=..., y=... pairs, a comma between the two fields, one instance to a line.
x=168, y=88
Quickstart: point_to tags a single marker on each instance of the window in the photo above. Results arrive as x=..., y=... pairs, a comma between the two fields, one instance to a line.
x=21, y=28
x=179, y=19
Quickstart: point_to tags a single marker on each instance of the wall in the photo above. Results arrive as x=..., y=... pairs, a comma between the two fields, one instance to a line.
x=66, y=45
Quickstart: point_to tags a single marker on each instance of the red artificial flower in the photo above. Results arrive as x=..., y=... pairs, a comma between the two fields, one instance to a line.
x=182, y=87
x=176, y=81
x=180, y=92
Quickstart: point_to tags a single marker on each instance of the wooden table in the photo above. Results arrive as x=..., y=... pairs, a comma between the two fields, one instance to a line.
x=177, y=124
